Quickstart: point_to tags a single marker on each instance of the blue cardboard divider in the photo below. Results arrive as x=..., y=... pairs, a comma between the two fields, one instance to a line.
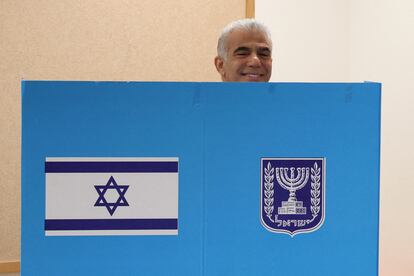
x=220, y=132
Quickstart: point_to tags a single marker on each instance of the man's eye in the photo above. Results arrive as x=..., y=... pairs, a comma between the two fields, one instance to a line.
x=242, y=53
x=264, y=54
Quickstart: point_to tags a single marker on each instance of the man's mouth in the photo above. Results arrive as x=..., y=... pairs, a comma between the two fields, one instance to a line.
x=252, y=76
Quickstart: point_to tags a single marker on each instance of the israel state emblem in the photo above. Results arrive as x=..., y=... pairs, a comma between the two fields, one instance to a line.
x=292, y=194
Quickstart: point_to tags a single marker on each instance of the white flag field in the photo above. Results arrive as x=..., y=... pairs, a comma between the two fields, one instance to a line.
x=111, y=196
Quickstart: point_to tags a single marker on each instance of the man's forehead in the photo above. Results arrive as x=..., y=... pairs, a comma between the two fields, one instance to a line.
x=248, y=38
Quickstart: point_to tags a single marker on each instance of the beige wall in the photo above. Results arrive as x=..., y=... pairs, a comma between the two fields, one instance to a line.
x=357, y=40
x=142, y=40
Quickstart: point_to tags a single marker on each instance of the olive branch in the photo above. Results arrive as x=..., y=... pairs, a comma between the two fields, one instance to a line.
x=315, y=191
x=269, y=190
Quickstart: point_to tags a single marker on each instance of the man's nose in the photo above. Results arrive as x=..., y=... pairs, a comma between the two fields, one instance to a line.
x=254, y=60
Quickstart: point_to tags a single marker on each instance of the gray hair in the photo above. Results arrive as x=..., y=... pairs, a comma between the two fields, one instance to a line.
x=242, y=24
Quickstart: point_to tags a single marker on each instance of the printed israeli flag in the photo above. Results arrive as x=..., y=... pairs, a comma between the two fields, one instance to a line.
x=111, y=196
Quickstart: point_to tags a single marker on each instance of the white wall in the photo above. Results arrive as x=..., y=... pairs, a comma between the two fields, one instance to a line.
x=310, y=38
x=357, y=40
x=382, y=48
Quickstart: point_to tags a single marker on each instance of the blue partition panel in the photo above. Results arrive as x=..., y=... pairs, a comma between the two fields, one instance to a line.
x=254, y=179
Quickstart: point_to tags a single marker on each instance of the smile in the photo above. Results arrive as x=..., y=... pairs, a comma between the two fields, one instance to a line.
x=252, y=75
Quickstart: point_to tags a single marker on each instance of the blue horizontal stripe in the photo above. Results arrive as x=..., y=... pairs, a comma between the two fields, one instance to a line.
x=111, y=224
x=112, y=167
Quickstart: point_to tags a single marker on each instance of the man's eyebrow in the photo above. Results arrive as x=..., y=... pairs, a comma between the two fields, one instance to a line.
x=241, y=48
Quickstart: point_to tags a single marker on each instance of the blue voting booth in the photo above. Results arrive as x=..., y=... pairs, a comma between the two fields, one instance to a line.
x=140, y=178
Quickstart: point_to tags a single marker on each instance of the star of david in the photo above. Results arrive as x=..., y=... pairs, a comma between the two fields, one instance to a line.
x=111, y=206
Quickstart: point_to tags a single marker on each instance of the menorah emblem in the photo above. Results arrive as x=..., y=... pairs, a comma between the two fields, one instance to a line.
x=292, y=194
x=292, y=183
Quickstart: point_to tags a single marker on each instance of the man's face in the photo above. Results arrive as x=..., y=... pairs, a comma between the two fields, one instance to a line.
x=249, y=57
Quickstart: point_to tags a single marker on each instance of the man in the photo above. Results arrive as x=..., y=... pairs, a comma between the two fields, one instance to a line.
x=244, y=52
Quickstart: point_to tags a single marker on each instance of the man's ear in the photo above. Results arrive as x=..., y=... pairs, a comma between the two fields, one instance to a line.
x=219, y=62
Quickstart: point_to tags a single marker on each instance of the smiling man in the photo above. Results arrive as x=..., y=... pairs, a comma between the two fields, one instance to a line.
x=244, y=52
